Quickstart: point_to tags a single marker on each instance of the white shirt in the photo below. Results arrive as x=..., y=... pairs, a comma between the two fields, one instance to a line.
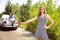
x=13, y=18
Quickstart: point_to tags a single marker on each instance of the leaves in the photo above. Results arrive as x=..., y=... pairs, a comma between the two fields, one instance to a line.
x=8, y=8
x=24, y=11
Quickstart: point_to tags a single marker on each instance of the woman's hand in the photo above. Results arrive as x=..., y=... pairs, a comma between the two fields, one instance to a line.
x=22, y=22
x=47, y=27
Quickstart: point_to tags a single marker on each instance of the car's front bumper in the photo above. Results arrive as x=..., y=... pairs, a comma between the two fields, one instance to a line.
x=9, y=28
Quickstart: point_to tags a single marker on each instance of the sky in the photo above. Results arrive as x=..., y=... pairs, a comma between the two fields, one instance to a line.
x=20, y=2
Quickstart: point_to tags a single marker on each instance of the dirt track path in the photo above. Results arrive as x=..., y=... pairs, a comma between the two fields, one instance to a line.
x=19, y=34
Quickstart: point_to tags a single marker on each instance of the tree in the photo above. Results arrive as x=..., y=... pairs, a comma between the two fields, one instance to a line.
x=16, y=10
x=24, y=11
x=8, y=8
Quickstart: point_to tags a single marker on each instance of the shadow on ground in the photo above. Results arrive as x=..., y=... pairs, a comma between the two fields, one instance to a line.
x=6, y=29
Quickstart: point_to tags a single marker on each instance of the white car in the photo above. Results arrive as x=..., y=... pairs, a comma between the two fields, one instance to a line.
x=7, y=23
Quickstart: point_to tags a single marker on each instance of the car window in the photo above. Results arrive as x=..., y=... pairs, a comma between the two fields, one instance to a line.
x=5, y=17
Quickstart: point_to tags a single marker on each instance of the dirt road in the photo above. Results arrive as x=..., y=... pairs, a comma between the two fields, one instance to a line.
x=19, y=34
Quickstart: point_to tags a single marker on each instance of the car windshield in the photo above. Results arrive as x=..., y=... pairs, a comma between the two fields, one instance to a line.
x=5, y=17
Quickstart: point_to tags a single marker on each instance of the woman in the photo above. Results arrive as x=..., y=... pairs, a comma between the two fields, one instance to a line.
x=41, y=33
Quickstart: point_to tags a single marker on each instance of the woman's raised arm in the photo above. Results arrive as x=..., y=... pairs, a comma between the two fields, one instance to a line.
x=33, y=19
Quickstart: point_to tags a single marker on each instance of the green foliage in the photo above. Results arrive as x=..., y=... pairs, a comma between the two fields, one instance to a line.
x=16, y=10
x=24, y=11
x=31, y=26
x=8, y=8
x=0, y=15
x=54, y=31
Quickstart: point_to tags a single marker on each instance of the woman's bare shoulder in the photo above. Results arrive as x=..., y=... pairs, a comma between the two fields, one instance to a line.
x=47, y=16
